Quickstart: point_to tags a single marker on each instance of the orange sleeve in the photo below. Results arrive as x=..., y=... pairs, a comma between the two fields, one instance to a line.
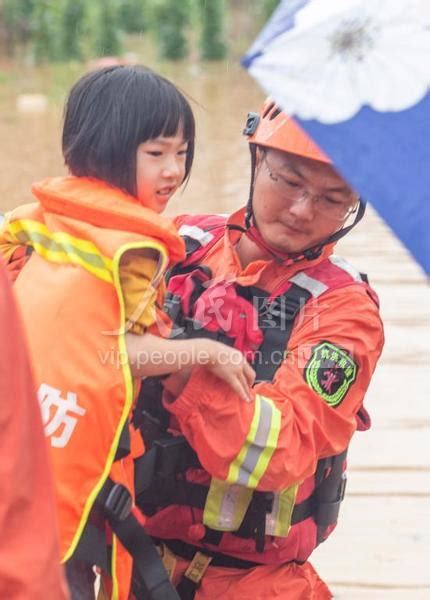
x=276, y=440
x=29, y=546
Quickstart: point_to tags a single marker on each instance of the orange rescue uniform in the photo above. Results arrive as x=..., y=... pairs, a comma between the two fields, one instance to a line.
x=217, y=423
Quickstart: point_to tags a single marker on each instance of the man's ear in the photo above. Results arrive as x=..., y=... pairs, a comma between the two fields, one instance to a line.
x=259, y=156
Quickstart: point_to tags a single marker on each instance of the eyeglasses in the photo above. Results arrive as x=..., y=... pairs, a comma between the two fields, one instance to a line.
x=293, y=191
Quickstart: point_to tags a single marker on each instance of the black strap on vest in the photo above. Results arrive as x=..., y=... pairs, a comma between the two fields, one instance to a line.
x=187, y=551
x=329, y=492
x=323, y=508
x=114, y=502
x=92, y=547
x=151, y=581
x=276, y=318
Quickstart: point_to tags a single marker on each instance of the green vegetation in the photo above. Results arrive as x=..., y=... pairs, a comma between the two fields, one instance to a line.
x=108, y=34
x=14, y=23
x=212, y=16
x=45, y=25
x=76, y=30
x=72, y=22
x=133, y=15
x=170, y=20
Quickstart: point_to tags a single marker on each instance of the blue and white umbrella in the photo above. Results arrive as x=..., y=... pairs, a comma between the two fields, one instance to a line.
x=356, y=76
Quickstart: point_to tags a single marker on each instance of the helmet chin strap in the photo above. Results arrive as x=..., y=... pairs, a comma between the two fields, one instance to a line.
x=287, y=258
x=311, y=253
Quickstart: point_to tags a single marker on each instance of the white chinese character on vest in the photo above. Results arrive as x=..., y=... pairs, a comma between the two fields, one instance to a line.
x=60, y=419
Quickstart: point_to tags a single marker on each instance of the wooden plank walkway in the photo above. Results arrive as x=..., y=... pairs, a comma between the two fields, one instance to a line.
x=381, y=548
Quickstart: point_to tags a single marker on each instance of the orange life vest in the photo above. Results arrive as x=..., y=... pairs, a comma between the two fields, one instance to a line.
x=73, y=308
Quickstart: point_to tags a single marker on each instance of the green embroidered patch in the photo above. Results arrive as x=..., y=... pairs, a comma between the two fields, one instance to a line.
x=330, y=372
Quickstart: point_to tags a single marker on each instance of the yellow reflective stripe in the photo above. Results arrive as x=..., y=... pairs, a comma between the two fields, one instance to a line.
x=162, y=262
x=128, y=384
x=60, y=247
x=234, y=471
x=251, y=463
x=226, y=505
x=278, y=522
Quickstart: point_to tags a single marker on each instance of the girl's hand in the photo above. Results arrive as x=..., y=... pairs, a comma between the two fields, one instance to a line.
x=230, y=365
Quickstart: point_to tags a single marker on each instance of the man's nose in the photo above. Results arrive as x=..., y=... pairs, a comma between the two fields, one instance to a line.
x=303, y=207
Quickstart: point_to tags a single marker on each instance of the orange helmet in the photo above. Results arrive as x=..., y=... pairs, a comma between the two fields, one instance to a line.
x=272, y=128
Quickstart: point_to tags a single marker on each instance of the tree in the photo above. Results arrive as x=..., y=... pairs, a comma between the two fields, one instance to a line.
x=132, y=15
x=72, y=21
x=170, y=19
x=16, y=16
x=46, y=28
x=108, y=36
x=212, y=29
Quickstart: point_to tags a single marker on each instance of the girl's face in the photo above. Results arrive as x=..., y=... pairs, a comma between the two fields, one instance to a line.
x=160, y=170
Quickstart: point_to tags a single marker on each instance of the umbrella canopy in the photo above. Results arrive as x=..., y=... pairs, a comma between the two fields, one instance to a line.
x=356, y=75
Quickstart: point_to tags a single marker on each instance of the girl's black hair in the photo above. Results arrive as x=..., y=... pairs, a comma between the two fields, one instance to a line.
x=110, y=111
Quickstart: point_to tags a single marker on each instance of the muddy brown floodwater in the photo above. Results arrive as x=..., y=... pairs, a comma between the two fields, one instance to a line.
x=221, y=97
x=389, y=489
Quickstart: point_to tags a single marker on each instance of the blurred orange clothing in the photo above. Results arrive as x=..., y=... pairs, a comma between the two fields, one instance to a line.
x=29, y=548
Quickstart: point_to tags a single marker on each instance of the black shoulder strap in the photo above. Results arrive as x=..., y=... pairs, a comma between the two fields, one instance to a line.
x=276, y=320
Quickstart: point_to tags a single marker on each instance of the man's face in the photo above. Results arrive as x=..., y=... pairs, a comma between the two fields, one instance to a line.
x=298, y=202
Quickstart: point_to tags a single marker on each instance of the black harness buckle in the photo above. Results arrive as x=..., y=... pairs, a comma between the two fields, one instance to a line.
x=327, y=509
x=118, y=503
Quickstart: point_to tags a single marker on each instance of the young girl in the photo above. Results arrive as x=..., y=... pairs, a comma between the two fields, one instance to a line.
x=91, y=289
